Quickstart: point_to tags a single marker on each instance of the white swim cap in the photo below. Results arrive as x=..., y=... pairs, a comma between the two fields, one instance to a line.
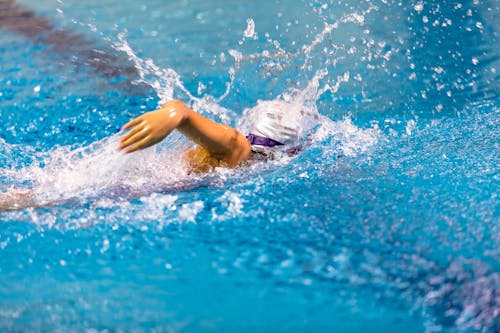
x=273, y=122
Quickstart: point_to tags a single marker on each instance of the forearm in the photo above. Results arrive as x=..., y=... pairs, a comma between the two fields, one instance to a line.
x=16, y=199
x=221, y=141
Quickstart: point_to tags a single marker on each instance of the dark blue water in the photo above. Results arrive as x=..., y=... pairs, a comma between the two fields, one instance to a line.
x=388, y=221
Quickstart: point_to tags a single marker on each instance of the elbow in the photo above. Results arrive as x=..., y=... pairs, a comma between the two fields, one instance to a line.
x=240, y=151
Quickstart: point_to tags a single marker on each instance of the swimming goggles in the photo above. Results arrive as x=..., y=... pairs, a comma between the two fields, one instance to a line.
x=262, y=141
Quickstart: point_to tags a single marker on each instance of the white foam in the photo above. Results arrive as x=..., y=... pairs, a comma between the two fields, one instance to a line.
x=189, y=211
x=93, y=171
x=233, y=204
x=348, y=138
x=301, y=110
x=99, y=169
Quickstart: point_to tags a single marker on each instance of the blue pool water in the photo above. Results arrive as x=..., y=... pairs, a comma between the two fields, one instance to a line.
x=388, y=221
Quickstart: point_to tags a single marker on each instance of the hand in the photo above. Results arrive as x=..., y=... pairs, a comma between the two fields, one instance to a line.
x=152, y=127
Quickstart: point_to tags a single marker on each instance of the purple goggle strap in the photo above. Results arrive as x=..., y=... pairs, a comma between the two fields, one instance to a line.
x=262, y=141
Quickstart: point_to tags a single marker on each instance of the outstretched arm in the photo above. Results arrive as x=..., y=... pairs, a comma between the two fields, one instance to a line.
x=15, y=199
x=222, y=142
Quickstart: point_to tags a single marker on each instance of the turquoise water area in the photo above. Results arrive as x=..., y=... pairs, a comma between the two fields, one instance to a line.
x=387, y=221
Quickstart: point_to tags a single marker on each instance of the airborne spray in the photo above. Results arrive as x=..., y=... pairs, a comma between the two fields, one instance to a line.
x=98, y=170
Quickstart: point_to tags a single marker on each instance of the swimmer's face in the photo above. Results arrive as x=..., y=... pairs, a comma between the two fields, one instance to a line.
x=271, y=153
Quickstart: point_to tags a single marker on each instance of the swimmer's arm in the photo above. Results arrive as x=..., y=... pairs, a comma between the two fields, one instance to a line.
x=221, y=141
x=17, y=199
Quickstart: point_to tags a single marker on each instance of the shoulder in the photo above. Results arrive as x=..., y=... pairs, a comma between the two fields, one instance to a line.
x=200, y=160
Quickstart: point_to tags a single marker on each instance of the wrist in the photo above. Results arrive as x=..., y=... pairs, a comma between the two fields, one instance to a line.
x=177, y=110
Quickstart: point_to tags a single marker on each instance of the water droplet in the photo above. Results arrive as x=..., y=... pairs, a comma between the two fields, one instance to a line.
x=439, y=70
x=410, y=125
x=250, y=30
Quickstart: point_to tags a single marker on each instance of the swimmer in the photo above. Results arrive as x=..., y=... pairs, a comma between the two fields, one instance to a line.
x=218, y=145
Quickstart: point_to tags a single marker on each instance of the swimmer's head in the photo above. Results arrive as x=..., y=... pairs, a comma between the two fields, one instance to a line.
x=274, y=123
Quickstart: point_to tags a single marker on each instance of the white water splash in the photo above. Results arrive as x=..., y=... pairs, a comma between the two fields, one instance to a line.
x=189, y=211
x=250, y=30
x=350, y=139
x=163, y=80
x=168, y=84
x=99, y=168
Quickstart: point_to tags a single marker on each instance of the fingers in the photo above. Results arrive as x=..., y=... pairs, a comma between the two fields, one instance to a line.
x=132, y=123
x=136, y=135
x=136, y=129
x=141, y=144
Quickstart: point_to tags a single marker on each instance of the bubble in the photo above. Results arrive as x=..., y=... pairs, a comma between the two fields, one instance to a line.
x=419, y=7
